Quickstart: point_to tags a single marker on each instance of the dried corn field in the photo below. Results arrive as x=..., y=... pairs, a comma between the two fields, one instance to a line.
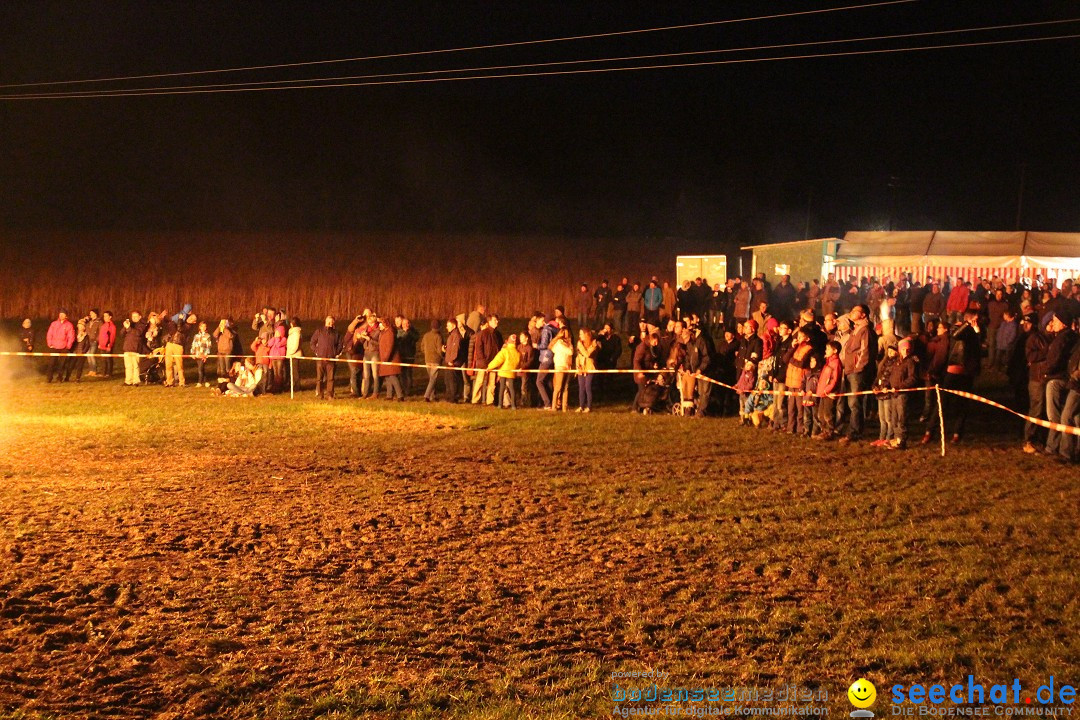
x=309, y=275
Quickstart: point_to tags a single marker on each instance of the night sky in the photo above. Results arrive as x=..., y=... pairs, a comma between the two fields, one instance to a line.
x=746, y=152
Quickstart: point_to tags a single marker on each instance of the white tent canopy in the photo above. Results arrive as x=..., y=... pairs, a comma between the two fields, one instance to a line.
x=939, y=248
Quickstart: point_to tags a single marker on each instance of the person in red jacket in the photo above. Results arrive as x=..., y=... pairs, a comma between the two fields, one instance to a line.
x=958, y=302
x=827, y=385
x=60, y=337
x=106, y=341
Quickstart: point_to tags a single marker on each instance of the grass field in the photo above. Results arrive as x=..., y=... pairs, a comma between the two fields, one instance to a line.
x=166, y=553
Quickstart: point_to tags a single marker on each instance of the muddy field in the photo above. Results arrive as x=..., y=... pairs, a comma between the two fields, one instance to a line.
x=167, y=554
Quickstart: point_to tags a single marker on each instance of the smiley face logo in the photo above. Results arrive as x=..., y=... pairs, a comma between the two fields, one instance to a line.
x=862, y=693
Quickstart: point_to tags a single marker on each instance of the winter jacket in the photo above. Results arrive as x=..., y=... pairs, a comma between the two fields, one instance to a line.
x=958, y=299
x=507, y=362
x=93, y=328
x=61, y=335
x=201, y=344
x=562, y=353
x=904, y=374
x=652, y=298
x=585, y=361
x=295, y=339
x=388, y=353
x=431, y=346
x=1057, y=355
x=798, y=367
x=487, y=346
x=546, y=334
x=278, y=345
x=453, y=348
x=933, y=303
x=697, y=356
x=831, y=374
x=135, y=337
x=106, y=336
x=225, y=340
x=856, y=355
x=937, y=353
x=742, y=302
x=584, y=302
x=326, y=343
x=633, y=301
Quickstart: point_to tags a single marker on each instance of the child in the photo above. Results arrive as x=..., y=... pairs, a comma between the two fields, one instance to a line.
x=806, y=419
x=905, y=375
x=200, y=349
x=743, y=387
x=262, y=361
x=26, y=337
x=528, y=354
x=278, y=347
x=507, y=362
x=885, y=398
x=828, y=381
x=80, y=348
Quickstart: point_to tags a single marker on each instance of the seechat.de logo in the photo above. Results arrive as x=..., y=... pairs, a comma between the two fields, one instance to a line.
x=862, y=695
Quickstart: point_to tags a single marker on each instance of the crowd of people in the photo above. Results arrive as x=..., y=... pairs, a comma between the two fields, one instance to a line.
x=820, y=359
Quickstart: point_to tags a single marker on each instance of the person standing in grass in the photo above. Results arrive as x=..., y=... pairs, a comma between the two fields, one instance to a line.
x=81, y=347
x=633, y=308
x=390, y=362
x=505, y=365
x=1057, y=375
x=225, y=334
x=882, y=392
x=135, y=329
x=354, y=351
x=370, y=336
x=828, y=382
x=905, y=375
x=602, y=296
x=278, y=347
x=588, y=349
x=451, y=355
x=201, y=344
x=59, y=339
x=407, y=337
x=562, y=354
x=431, y=346
x=547, y=361
x=652, y=300
x=293, y=350
x=528, y=362
x=93, y=327
x=486, y=346
x=325, y=346
x=106, y=341
x=584, y=304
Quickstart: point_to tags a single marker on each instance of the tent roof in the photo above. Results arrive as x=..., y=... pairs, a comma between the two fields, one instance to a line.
x=948, y=248
x=790, y=243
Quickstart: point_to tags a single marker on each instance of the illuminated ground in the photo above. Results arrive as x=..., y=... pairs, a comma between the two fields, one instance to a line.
x=164, y=553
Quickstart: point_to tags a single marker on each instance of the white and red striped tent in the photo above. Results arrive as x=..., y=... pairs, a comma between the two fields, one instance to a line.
x=960, y=255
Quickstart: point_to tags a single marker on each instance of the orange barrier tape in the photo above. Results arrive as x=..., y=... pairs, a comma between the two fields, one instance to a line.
x=1059, y=427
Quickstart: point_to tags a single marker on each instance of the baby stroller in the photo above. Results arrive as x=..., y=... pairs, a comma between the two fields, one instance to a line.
x=152, y=367
x=685, y=384
x=653, y=396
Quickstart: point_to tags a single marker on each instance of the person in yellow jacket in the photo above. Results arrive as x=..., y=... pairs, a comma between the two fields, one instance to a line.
x=506, y=364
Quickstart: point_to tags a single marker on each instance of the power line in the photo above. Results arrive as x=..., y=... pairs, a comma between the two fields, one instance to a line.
x=487, y=68
x=555, y=72
x=491, y=46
